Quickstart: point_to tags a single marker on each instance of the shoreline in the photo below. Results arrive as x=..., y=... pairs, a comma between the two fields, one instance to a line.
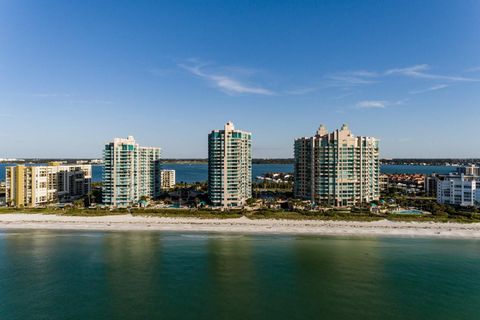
x=243, y=225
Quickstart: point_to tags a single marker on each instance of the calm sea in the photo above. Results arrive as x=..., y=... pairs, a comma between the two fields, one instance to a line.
x=199, y=172
x=147, y=275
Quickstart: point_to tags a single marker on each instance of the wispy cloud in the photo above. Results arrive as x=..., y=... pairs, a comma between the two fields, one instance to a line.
x=350, y=79
x=378, y=104
x=90, y=102
x=235, y=80
x=372, y=104
x=226, y=82
x=345, y=81
x=357, y=78
x=421, y=71
x=364, y=73
x=6, y=115
x=302, y=91
x=432, y=88
x=476, y=69
x=344, y=95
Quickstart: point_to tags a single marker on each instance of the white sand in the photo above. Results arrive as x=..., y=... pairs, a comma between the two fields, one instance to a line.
x=241, y=225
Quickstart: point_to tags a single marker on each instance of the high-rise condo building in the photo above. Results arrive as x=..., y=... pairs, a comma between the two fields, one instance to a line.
x=229, y=167
x=130, y=172
x=32, y=186
x=337, y=168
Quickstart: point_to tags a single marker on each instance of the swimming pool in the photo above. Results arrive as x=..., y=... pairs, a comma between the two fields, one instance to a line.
x=409, y=211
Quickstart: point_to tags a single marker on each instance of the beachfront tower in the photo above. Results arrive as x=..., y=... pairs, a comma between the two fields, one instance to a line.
x=229, y=167
x=130, y=172
x=337, y=168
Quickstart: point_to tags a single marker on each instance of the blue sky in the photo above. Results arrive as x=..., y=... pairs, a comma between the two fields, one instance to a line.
x=75, y=74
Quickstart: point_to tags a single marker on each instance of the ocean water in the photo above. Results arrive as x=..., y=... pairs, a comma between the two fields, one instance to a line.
x=150, y=275
x=199, y=172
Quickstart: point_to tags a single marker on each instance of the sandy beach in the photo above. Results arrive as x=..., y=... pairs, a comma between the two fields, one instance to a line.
x=241, y=225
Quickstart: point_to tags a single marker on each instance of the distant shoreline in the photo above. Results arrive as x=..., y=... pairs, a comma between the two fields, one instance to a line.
x=384, y=161
x=170, y=161
x=241, y=225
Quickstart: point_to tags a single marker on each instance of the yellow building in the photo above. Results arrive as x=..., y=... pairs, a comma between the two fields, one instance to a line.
x=32, y=186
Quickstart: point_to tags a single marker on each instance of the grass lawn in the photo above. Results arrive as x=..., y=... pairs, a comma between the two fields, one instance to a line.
x=336, y=215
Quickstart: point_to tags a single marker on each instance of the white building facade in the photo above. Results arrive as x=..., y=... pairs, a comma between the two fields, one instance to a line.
x=229, y=167
x=130, y=172
x=461, y=190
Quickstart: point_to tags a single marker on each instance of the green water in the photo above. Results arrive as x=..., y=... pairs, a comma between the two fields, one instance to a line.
x=143, y=275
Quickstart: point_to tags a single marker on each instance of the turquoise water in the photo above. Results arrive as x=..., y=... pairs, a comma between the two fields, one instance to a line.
x=199, y=172
x=411, y=211
x=146, y=275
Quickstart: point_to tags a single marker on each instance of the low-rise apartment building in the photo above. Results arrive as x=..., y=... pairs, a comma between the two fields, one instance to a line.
x=167, y=179
x=461, y=190
x=469, y=170
x=32, y=186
